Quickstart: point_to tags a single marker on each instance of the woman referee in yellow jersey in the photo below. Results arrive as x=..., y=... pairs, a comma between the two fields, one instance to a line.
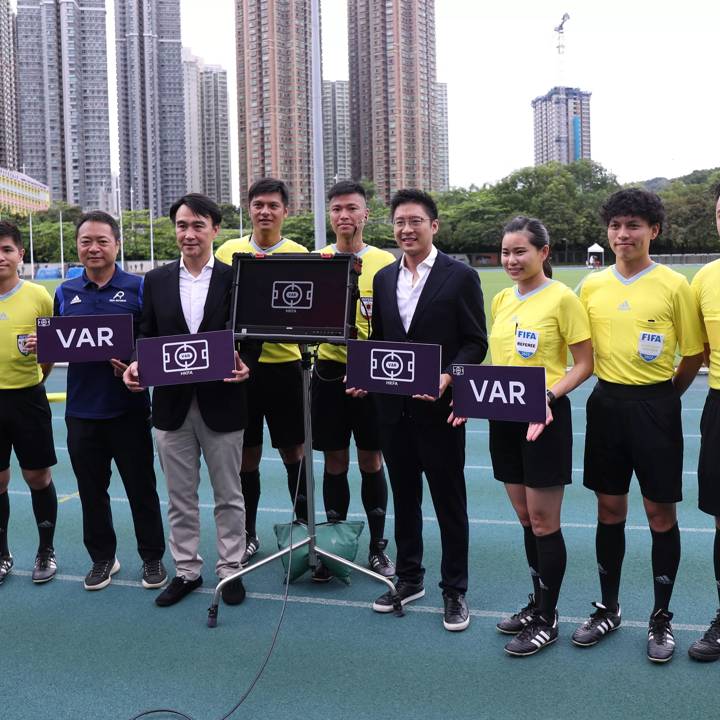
x=533, y=324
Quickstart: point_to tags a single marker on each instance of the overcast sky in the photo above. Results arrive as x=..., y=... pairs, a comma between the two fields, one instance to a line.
x=650, y=67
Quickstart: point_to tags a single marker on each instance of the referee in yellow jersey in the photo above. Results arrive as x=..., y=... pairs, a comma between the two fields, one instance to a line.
x=640, y=313
x=534, y=323
x=25, y=418
x=706, y=285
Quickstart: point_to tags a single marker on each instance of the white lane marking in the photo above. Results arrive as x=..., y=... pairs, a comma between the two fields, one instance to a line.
x=309, y=600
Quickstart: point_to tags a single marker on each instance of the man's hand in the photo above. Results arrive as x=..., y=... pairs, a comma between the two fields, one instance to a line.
x=131, y=378
x=119, y=367
x=31, y=343
x=445, y=380
x=241, y=371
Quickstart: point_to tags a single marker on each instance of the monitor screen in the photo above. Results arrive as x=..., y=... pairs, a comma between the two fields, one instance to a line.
x=295, y=296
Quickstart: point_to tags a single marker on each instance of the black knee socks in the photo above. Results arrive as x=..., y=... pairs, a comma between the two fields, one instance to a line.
x=610, y=551
x=532, y=559
x=297, y=482
x=5, y=519
x=552, y=559
x=374, y=499
x=716, y=559
x=336, y=495
x=665, y=562
x=250, y=482
x=44, y=503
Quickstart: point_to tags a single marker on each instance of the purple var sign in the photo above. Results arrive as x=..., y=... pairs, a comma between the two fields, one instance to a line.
x=499, y=392
x=178, y=359
x=84, y=338
x=393, y=368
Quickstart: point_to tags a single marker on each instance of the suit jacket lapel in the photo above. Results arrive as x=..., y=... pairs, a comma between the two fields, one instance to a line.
x=433, y=283
x=174, y=295
x=391, y=300
x=214, y=296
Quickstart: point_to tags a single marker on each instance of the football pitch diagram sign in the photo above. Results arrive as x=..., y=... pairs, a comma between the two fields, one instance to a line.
x=498, y=392
x=394, y=368
x=84, y=338
x=178, y=359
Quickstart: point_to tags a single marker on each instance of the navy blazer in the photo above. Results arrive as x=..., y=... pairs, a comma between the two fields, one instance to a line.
x=450, y=313
x=223, y=406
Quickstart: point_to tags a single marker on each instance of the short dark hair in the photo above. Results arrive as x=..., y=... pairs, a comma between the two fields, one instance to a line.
x=636, y=202
x=716, y=192
x=267, y=185
x=200, y=204
x=537, y=236
x=7, y=229
x=100, y=217
x=347, y=187
x=412, y=195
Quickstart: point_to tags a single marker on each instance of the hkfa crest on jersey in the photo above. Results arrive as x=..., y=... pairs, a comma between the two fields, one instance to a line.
x=650, y=345
x=526, y=343
x=22, y=344
x=366, y=303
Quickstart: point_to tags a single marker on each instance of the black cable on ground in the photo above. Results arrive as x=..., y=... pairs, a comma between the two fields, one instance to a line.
x=268, y=655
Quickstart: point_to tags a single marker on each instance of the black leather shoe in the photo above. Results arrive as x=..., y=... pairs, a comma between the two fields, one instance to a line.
x=457, y=615
x=406, y=590
x=177, y=590
x=234, y=592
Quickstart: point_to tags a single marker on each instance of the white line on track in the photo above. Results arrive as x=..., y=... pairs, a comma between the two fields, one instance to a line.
x=309, y=600
x=427, y=518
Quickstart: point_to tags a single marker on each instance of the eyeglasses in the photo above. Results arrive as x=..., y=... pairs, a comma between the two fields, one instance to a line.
x=413, y=222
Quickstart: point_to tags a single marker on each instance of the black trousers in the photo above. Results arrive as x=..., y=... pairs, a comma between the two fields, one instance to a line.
x=438, y=450
x=127, y=440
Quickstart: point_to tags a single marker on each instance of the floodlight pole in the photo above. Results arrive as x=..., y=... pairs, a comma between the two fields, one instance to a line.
x=317, y=130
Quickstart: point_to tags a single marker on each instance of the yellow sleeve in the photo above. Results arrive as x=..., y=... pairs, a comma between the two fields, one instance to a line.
x=572, y=319
x=494, y=305
x=686, y=319
x=46, y=303
x=696, y=287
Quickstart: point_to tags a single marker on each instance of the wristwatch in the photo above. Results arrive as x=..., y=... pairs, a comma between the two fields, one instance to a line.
x=550, y=397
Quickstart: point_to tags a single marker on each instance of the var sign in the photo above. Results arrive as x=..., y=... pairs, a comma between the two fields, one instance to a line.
x=499, y=392
x=84, y=338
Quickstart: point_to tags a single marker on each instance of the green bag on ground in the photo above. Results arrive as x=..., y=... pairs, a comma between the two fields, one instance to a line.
x=339, y=538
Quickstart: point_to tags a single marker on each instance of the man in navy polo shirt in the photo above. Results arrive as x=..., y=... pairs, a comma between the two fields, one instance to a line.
x=104, y=420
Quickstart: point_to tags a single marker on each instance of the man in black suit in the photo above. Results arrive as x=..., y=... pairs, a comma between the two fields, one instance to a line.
x=189, y=296
x=427, y=297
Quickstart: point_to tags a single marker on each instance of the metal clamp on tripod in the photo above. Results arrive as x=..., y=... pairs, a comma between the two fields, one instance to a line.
x=305, y=299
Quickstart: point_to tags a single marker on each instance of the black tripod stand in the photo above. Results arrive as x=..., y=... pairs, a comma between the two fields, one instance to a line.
x=314, y=552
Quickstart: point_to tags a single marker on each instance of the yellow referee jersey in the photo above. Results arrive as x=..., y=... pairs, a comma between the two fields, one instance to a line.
x=535, y=329
x=706, y=285
x=19, y=309
x=638, y=323
x=373, y=259
x=271, y=352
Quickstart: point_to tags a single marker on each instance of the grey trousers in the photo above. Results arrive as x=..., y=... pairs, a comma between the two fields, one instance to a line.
x=179, y=451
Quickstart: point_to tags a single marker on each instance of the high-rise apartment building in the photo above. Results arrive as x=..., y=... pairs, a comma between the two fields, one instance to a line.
x=193, y=137
x=336, y=131
x=392, y=92
x=8, y=92
x=274, y=76
x=150, y=103
x=562, y=126
x=441, y=145
x=63, y=97
x=215, y=133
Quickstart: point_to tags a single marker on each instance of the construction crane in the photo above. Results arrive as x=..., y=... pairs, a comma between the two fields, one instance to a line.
x=560, y=30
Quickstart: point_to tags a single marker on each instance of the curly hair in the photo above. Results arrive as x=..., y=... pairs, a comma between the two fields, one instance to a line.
x=634, y=202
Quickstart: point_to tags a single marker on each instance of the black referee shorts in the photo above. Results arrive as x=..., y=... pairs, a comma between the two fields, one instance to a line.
x=546, y=462
x=26, y=427
x=709, y=462
x=634, y=428
x=275, y=395
x=337, y=416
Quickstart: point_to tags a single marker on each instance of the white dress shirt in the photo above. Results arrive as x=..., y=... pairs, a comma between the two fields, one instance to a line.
x=409, y=294
x=193, y=293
